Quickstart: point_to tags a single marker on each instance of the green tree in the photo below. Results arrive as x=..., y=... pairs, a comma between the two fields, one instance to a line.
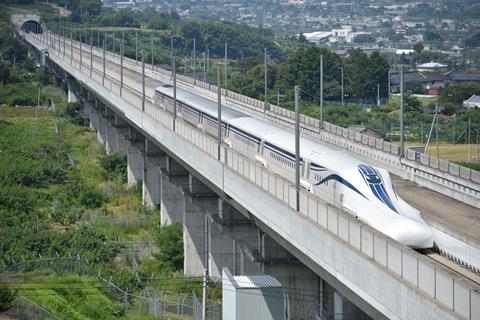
x=170, y=241
x=418, y=47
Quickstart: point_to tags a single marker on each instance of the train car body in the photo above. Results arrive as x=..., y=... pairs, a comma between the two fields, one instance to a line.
x=362, y=190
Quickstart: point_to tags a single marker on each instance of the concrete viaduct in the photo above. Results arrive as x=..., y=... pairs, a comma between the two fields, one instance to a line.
x=239, y=215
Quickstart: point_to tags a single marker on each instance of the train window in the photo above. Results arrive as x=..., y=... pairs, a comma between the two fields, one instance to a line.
x=373, y=178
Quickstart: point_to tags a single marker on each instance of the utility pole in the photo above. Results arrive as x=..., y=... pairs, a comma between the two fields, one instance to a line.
x=80, y=48
x=122, y=51
x=91, y=53
x=171, y=55
x=136, y=46
x=266, y=82
x=321, y=91
x=143, y=80
x=402, y=143
x=208, y=64
x=343, y=93
x=436, y=138
x=469, y=140
x=389, y=75
x=151, y=44
x=226, y=70
x=297, y=147
x=104, y=49
x=378, y=94
x=476, y=147
x=194, y=63
x=204, y=292
x=64, y=41
x=174, y=93
x=206, y=270
x=71, y=46
x=219, y=116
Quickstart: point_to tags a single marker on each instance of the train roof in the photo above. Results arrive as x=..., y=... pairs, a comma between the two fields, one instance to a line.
x=282, y=138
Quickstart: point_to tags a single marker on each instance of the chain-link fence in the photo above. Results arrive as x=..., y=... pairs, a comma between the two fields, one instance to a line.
x=159, y=304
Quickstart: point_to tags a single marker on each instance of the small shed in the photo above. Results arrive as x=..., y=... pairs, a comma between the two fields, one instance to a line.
x=367, y=131
x=252, y=297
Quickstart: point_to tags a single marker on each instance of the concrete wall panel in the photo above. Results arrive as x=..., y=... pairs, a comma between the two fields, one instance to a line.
x=279, y=192
x=444, y=289
x=454, y=169
x=465, y=172
x=475, y=305
x=426, y=277
x=343, y=222
x=380, y=249
x=332, y=221
x=443, y=165
x=322, y=216
x=394, y=258
x=434, y=162
x=313, y=209
x=475, y=176
x=367, y=241
x=461, y=299
x=354, y=234
x=410, y=268
x=394, y=149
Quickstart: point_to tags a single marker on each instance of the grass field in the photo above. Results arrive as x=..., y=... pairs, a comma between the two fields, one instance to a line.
x=451, y=152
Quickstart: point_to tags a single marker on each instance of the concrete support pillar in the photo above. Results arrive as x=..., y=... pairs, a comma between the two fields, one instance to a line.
x=173, y=180
x=232, y=240
x=334, y=306
x=71, y=97
x=200, y=203
x=302, y=285
x=136, y=146
x=110, y=138
x=101, y=129
x=152, y=158
x=93, y=118
x=121, y=134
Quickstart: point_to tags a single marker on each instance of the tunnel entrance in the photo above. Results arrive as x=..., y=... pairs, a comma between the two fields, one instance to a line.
x=32, y=26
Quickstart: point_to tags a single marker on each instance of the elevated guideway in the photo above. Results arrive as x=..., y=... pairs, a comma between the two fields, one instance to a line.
x=380, y=276
x=455, y=216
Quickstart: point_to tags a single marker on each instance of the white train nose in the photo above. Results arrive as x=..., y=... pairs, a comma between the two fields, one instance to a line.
x=413, y=234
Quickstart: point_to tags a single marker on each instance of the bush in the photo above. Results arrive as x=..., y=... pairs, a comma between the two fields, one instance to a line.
x=170, y=241
x=7, y=297
x=91, y=197
x=115, y=165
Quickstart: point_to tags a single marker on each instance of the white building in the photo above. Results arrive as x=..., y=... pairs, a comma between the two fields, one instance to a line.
x=472, y=102
x=343, y=35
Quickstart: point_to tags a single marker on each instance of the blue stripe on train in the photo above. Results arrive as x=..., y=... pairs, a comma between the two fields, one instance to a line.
x=336, y=177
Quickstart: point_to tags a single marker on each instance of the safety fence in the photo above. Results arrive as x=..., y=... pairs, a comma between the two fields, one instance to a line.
x=148, y=301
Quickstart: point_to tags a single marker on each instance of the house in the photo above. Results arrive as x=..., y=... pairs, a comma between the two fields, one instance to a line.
x=472, y=102
x=458, y=77
x=317, y=36
x=435, y=81
x=408, y=76
x=431, y=66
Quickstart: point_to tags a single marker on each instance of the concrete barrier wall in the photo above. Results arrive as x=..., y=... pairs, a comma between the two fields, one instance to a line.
x=431, y=278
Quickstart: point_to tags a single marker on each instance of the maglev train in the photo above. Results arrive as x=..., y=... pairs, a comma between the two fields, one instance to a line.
x=362, y=190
